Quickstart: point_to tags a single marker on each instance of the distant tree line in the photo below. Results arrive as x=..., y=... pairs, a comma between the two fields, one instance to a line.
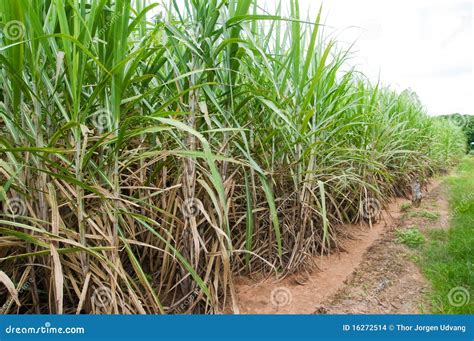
x=467, y=124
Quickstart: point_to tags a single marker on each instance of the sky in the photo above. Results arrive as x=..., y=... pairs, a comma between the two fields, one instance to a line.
x=424, y=45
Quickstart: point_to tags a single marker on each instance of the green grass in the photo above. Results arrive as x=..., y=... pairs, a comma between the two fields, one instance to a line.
x=424, y=214
x=406, y=206
x=410, y=236
x=448, y=259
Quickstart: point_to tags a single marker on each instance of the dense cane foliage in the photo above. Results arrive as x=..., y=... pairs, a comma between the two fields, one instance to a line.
x=152, y=151
x=466, y=122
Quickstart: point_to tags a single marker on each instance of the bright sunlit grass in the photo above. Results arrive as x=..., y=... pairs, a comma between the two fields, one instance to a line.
x=449, y=258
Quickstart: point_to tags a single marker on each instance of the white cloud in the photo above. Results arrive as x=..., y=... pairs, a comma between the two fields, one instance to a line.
x=425, y=45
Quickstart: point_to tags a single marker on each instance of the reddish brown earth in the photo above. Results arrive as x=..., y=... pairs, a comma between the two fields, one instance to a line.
x=375, y=274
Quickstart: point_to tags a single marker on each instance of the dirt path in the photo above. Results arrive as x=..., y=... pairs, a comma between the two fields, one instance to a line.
x=374, y=275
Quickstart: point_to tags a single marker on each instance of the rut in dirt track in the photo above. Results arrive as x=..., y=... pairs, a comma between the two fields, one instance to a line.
x=375, y=274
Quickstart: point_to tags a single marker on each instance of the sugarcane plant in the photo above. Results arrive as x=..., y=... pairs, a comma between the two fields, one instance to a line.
x=150, y=151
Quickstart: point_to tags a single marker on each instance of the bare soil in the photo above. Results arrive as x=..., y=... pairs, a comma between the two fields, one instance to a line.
x=374, y=275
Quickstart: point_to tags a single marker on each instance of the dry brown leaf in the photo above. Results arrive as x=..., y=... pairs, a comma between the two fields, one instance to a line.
x=10, y=286
x=58, y=279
